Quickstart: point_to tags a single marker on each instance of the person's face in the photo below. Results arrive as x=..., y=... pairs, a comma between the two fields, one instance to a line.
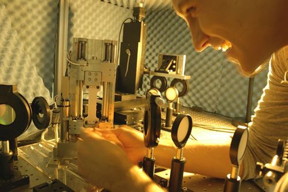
x=223, y=25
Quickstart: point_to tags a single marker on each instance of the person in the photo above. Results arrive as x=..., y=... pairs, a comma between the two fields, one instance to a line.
x=250, y=32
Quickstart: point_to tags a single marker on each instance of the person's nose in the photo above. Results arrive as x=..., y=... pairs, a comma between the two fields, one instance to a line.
x=200, y=39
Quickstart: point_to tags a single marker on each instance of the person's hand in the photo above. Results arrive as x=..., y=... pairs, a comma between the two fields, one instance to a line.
x=103, y=163
x=129, y=139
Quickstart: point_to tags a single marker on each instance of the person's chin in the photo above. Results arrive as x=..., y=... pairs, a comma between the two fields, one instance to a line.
x=241, y=70
x=247, y=73
x=255, y=69
x=248, y=70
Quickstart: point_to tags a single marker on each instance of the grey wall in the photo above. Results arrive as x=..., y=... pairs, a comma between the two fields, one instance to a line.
x=27, y=36
x=34, y=25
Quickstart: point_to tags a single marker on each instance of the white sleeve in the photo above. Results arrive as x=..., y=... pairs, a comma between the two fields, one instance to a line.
x=270, y=120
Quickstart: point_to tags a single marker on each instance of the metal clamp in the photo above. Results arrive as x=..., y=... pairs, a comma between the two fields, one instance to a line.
x=10, y=96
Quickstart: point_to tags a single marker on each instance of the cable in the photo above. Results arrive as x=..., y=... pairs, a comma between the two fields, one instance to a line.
x=72, y=63
x=47, y=141
x=129, y=18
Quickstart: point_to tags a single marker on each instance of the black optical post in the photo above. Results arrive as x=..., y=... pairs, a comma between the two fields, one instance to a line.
x=237, y=150
x=181, y=131
x=152, y=127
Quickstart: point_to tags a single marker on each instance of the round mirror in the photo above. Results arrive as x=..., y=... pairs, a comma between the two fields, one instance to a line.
x=181, y=130
x=238, y=144
x=171, y=94
x=242, y=145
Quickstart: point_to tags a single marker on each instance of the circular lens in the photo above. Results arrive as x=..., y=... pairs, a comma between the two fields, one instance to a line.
x=22, y=111
x=183, y=129
x=238, y=144
x=242, y=145
x=171, y=94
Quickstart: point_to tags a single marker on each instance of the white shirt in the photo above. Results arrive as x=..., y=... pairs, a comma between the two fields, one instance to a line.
x=270, y=120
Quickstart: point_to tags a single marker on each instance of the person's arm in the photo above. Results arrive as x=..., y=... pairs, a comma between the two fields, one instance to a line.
x=209, y=158
x=205, y=158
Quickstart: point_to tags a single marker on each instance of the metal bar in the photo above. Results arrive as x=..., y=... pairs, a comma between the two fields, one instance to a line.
x=61, y=45
x=249, y=100
x=234, y=172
